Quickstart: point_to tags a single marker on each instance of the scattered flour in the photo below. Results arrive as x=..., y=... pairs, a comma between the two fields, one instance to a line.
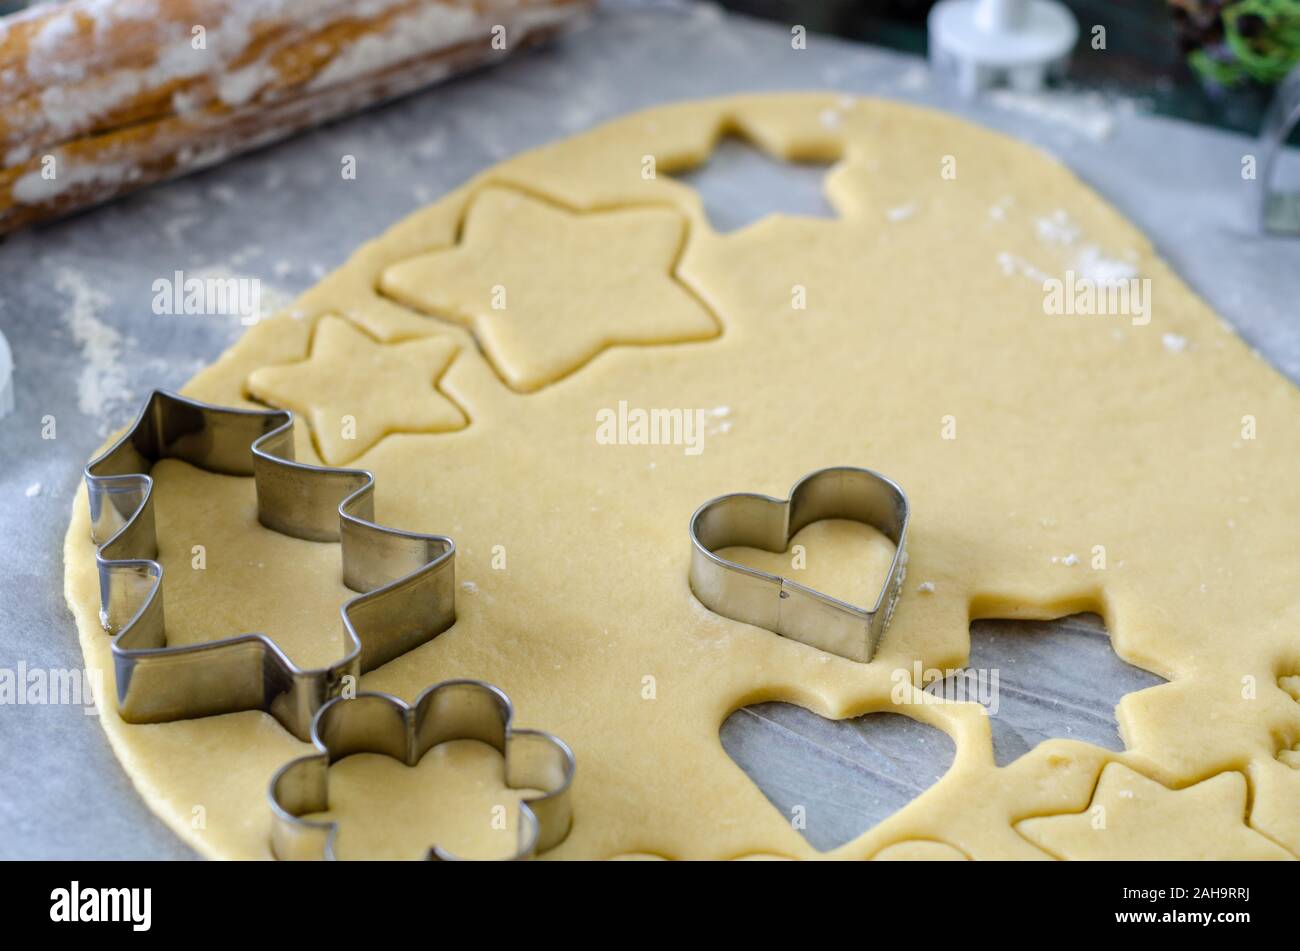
x=33, y=490
x=717, y=422
x=33, y=188
x=998, y=211
x=408, y=37
x=271, y=299
x=1057, y=228
x=102, y=390
x=432, y=147
x=1013, y=264
x=902, y=212
x=915, y=78
x=1090, y=263
x=179, y=224
x=237, y=87
x=830, y=118
x=1174, y=343
x=1090, y=115
x=1094, y=266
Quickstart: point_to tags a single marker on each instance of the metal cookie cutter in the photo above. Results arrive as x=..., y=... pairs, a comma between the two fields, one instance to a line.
x=1279, y=211
x=407, y=579
x=379, y=723
x=779, y=604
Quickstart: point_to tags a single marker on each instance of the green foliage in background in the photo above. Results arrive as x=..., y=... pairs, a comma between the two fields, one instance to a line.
x=1256, y=40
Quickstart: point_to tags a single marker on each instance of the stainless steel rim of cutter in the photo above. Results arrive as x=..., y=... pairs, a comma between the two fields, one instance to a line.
x=407, y=580
x=779, y=604
x=1279, y=212
x=380, y=723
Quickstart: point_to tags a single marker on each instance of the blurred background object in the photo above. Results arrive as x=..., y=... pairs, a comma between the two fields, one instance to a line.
x=1280, y=204
x=98, y=98
x=979, y=44
x=1210, y=61
x=1234, y=42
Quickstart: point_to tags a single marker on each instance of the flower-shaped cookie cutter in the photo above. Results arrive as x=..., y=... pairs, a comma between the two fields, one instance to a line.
x=778, y=604
x=380, y=723
x=407, y=579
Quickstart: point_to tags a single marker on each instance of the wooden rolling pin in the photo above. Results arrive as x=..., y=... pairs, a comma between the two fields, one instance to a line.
x=100, y=97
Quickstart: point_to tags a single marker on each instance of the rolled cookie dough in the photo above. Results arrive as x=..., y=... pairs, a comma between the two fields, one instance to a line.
x=923, y=350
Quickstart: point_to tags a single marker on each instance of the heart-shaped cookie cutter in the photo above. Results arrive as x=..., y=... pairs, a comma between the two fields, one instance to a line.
x=778, y=604
x=380, y=723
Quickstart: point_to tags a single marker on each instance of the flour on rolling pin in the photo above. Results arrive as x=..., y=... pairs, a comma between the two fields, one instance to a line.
x=99, y=97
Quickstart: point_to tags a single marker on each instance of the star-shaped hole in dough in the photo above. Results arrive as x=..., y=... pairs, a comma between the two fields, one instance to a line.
x=741, y=184
x=354, y=390
x=1132, y=817
x=544, y=290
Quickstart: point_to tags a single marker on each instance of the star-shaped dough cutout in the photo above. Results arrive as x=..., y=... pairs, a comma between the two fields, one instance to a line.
x=544, y=290
x=354, y=390
x=1132, y=817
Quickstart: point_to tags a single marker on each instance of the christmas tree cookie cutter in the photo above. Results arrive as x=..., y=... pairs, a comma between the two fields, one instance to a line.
x=379, y=723
x=778, y=604
x=406, y=581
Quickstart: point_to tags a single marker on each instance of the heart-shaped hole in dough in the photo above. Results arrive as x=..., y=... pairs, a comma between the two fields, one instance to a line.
x=835, y=779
